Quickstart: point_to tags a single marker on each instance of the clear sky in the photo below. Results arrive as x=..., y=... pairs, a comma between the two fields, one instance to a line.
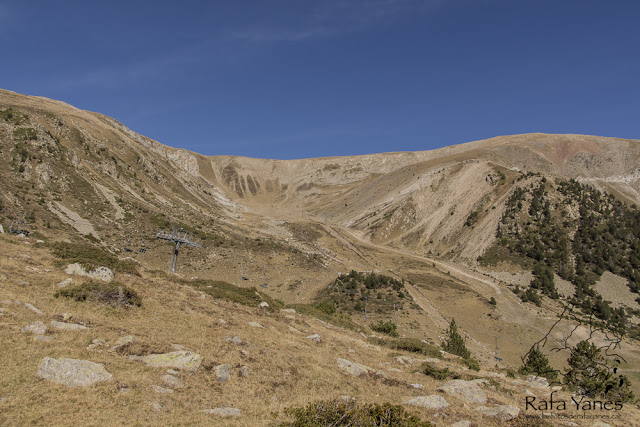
x=299, y=78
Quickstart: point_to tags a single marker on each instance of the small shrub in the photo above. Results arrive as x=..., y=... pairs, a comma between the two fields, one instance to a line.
x=471, y=363
x=492, y=301
x=113, y=294
x=413, y=345
x=387, y=327
x=349, y=413
x=437, y=373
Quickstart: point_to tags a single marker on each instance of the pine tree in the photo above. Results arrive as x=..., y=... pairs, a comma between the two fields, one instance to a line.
x=537, y=363
x=588, y=373
x=454, y=343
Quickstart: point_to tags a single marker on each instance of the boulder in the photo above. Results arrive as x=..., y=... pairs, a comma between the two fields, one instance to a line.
x=537, y=382
x=235, y=340
x=314, y=337
x=67, y=326
x=263, y=304
x=502, y=412
x=464, y=390
x=72, y=372
x=255, y=325
x=37, y=328
x=224, y=412
x=352, y=368
x=222, y=372
x=100, y=273
x=243, y=372
x=186, y=360
x=433, y=402
x=288, y=311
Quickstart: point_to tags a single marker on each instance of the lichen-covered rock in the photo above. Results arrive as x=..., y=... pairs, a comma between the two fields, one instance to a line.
x=72, y=372
x=465, y=390
x=186, y=360
x=503, y=412
x=100, y=273
x=352, y=368
x=433, y=402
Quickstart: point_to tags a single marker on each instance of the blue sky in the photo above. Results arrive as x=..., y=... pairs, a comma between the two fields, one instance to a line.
x=295, y=78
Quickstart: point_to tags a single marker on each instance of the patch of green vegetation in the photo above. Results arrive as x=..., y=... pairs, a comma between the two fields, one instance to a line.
x=114, y=294
x=13, y=116
x=342, y=320
x=412, y=345
x=226, y=291
x=349, y=291
x=25, y=134
x=472, y=219
x=349, y=413
x=91, y=257
x=437, y=373
x=388, y=327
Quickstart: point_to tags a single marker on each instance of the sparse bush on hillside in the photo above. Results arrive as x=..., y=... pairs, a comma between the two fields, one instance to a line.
x=113, y=294
x=223, y=290
x=437, y=373
x=91, y=257
x=454, y=343
x=387, y=327
x=349, y=413
x=413, y=345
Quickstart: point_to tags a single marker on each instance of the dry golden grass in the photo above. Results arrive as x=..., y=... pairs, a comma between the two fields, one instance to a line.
x=286, y=369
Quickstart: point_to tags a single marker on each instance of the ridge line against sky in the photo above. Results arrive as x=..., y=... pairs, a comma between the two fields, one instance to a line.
x=294, y=79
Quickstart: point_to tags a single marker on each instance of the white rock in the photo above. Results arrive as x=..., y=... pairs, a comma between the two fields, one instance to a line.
x=255, y=325
x=503, y=412
x=314, y=337
x=67, y=326
x=156, y=405
x=433, y=402
x=72, y=372
x=288, y=311
x=243, y=371
x=465, y=390
x=263, y=304
x=222, y=372
x=37, y=328
x=352, y=368
x=178, y=359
